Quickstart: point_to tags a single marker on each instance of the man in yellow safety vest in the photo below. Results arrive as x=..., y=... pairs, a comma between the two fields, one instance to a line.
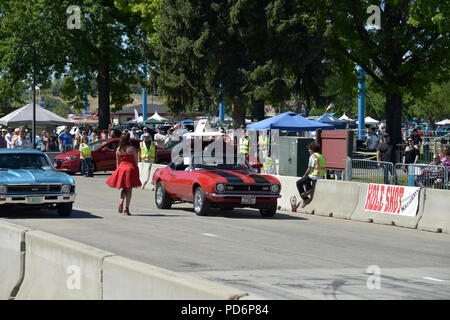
x=147, y=151
x=316, y=170
x=85, y=156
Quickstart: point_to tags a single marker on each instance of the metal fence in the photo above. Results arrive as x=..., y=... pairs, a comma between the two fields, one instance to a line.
x=421, y=175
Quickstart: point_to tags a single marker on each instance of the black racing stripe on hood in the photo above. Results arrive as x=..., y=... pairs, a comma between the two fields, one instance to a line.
x=229, y=176
x=258, y=179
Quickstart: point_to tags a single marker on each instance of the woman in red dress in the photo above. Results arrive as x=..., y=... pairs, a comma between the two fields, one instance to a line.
x=126, y=175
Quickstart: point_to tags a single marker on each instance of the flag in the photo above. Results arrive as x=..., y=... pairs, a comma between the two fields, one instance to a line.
x=331, y=105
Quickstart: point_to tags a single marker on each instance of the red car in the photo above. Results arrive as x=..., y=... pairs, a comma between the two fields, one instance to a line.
x=103, y=157
x=216, y=184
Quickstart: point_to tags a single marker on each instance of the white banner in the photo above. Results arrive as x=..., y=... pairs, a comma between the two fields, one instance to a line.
x=398, y=200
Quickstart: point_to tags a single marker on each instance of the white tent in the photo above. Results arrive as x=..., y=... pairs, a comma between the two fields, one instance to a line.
x=24, y=116
x=345, y=118
x=443, y=122
x=369, y=121
x=157, y=117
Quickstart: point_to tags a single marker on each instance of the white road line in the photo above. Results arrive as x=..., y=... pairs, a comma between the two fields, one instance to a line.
x=209, y=235
x=434, y=279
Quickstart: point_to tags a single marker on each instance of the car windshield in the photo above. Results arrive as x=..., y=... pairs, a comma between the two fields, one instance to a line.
x=24, y=161
x=223, y=162
x=98, y=144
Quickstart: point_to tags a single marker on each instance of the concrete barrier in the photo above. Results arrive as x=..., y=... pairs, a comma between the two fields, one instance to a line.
x=128, y=279
x=333, y=198
x=12, y=254
x=384, y=218
x=58, y=268
x=148, y=185
x=436, y=213
x=144, y=173
x=288, y=190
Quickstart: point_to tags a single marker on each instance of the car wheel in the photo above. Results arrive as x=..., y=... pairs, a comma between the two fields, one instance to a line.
x=64, y=209
x=201, y=204
x=162, y=199
x=269, y=211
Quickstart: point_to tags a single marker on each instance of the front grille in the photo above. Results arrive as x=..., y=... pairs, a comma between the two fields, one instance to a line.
x=36, y=188
x=247, y=188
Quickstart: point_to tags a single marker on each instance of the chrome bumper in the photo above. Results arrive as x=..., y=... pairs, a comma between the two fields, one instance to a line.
x=219, y=195
x=37, y=199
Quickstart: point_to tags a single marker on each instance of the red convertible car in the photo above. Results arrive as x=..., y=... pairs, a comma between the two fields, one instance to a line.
x=208, y=183
x=103, y=157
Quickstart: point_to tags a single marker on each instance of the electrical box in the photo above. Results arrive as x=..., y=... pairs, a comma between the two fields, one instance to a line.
x=294, y=155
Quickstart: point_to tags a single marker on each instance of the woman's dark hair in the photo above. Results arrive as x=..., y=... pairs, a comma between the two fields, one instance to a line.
x=124, y=142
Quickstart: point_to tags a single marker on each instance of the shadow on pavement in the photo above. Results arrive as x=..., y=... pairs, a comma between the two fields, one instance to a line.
x=243, y=214
x=44, y=214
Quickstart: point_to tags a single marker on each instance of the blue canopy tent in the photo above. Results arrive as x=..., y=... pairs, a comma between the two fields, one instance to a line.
x=289, y=121
x=187, y=121
x=329, y=119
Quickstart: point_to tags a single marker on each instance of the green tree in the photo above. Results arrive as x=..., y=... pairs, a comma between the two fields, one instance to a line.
x=434, y=106
x=103, y=49
x=403, y=56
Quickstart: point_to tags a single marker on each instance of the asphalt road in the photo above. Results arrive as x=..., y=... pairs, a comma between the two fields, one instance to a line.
x=289, y=256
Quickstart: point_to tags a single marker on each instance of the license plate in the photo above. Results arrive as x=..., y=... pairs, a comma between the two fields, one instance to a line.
x=35, y=200
x=248, y=200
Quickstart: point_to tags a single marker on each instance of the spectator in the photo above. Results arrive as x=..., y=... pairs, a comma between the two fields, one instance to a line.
x=416, y=138
x=134, y=134
x=3, y=141
x=445, y=158
x=431, y=176
x=159, y=137
x=65, y=140
x=412, y=152
x=372, y=141
x=389, y=154
x=8, y=137
x=316, y=170
x=52, y=145
x=15, y=135
x=22, y=141
x=44, y=140
x=77, y=142
x=94, y=137
x=85, y=156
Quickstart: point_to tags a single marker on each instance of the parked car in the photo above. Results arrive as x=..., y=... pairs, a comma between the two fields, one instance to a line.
x=28, y=179
x=103, y=157
x=210, y=183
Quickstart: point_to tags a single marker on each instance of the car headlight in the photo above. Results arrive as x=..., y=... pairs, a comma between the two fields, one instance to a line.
x=3, y=189
x=65, y=188
x=220, y=187
x=275, y=188
x=71, y=158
